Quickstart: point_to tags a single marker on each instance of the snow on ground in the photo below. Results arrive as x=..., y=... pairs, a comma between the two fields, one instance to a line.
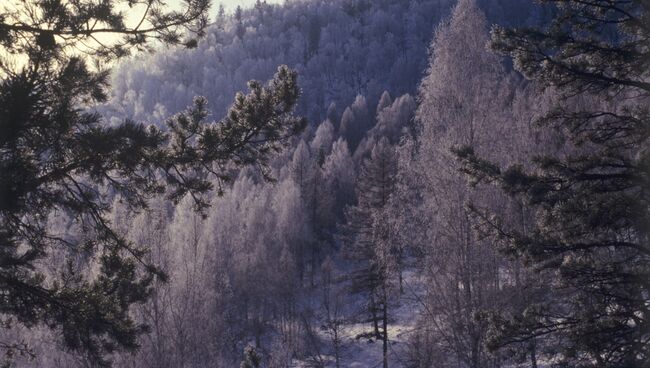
x=367, y=353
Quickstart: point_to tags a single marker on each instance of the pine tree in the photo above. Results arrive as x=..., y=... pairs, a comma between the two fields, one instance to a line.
x=591, y=232
x=41, y=31
x=58, y=157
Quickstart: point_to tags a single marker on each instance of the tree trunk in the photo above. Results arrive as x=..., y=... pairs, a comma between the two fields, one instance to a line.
x=373, y=314
x=401, y=279
x=337, y=354
x=385, y=331
x=533, y=354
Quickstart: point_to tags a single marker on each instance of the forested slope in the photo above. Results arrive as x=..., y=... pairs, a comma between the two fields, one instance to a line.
x=374, y=238
x=341, y=48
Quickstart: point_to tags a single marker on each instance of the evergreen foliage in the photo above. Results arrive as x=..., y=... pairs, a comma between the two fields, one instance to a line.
x=59, y=158
x=591, y=201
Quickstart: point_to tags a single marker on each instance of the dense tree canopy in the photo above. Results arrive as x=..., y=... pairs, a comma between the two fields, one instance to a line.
x=138, y=232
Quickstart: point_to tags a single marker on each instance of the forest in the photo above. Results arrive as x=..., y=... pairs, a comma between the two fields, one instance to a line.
x=325, y=184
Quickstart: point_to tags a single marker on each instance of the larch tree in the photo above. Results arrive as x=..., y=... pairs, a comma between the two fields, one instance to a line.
x=333, y=116
x=333, y=309
x=458, y=97
x=394, y=118
x=151, y=227
x=339, y=175
x=367, y=240
x=384, y=101
x=321, y=144
x=355, y=122
x=191, y=287
x=303, y=169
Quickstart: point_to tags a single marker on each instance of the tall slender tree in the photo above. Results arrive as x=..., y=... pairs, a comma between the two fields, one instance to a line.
x=368, y=239
x=458, y=97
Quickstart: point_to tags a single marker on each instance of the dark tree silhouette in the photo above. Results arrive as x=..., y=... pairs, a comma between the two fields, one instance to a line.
x=58, y=158
x=592, y=220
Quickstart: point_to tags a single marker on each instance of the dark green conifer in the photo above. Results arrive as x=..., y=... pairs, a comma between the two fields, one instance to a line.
x=58, y=157
x=591, y=200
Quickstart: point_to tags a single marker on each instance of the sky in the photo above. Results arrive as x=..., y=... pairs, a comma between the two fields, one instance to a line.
x=230, y=5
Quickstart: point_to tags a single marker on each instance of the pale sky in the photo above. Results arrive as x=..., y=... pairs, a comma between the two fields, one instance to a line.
x=230, y=5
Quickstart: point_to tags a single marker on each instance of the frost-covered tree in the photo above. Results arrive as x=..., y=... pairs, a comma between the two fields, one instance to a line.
x=302, y=167
x=461, y=95
x=394, y=118
x=355, y=122
x=333, y=306
x=332, y=115
x=240, y=29
x=321, y=144
x=307, y=174
x=367, y=240
x=384, y=101
x=151, y=227
x=405, y=209
x=339, y=175
x=191, y=289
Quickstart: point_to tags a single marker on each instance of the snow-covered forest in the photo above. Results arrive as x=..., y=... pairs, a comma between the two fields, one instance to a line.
x=419, y=184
